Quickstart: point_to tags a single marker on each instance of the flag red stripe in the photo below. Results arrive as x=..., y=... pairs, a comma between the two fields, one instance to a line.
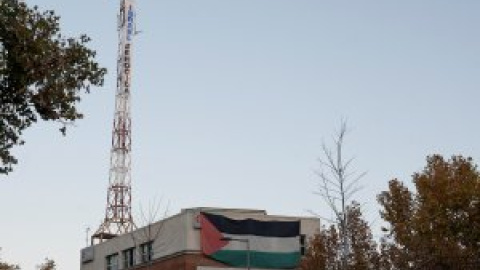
x=210, y=237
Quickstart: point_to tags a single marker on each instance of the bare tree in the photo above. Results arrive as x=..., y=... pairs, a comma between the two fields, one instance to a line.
x=152, y=221
x=338, y=183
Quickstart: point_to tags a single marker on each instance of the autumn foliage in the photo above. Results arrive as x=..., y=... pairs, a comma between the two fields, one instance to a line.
x=324, y=251
x=6, y=266
x=434, y=225
x=48, y=264
x=438, y=226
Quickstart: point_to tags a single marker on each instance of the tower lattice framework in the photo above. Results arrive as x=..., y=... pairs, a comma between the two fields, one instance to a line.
x=118, y=216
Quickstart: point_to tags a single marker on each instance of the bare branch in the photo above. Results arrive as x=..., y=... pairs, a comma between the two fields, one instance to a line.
x=337, y=185
x=319, y=216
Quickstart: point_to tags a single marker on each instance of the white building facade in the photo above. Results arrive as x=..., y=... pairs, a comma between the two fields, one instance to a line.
x=175, y=243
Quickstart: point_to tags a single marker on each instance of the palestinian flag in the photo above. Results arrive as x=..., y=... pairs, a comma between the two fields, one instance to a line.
x=265, y=244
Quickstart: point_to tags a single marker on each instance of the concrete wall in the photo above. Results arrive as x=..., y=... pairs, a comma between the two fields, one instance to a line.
x=168, y=238
x=179, y=235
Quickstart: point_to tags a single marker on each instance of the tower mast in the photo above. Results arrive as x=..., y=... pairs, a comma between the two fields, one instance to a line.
x=118, y=216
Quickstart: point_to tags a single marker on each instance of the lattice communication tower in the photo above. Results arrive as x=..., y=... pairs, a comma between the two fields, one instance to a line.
x=118, y=217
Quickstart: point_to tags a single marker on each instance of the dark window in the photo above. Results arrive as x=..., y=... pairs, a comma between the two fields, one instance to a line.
x=302, y=244
x=146, y=252
x=112, y=262
x=128, y=258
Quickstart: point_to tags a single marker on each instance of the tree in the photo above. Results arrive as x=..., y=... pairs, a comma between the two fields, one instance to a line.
x=347, y=243
x=150, y=232
x=337, y=185
x=42, y=74
x=324, y=250
x=6, y=266
x=49, y=264
x=363, y=254
x=438, y=226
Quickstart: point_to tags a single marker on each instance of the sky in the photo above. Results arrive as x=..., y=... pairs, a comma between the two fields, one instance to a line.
x=231, y=102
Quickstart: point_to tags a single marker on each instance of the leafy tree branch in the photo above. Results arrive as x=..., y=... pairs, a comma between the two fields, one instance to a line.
x=42, y=74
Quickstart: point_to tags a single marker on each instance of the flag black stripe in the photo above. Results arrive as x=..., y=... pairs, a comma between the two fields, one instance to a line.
x=254, y=227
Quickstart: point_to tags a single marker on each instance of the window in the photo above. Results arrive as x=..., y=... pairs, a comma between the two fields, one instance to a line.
x=128, y=258
x=112, y=262
x=146, y=252
x=302, y=244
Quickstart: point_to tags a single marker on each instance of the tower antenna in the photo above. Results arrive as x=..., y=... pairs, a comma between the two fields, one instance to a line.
x=118, y=215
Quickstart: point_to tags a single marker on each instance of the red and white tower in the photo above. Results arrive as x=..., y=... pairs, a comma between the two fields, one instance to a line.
x=118, y=217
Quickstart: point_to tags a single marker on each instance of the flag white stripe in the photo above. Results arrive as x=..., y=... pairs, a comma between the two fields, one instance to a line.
x=261, y=243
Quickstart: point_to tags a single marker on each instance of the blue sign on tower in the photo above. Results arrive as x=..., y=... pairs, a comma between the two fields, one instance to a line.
x=130, y=23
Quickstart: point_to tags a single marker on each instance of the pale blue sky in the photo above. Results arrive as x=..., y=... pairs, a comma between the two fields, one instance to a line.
x=231, y=102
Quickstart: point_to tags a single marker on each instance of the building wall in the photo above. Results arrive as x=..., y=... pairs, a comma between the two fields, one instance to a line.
x=176, y=240
x=168, y=238
x=182, y=262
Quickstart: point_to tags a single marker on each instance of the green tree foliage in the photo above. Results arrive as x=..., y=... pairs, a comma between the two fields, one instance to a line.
x=438, y=226
x=325, y=248
x=42, y=74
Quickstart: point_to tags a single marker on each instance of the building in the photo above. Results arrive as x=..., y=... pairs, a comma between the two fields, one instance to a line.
x=206, y=239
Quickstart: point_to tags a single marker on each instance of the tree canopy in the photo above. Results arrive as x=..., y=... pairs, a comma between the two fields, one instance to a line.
x=438, y=225
x=434, y=225
x=347, y=243
x=324, y=251
x=42, y=74
x=6, y=266
x=48, y=264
